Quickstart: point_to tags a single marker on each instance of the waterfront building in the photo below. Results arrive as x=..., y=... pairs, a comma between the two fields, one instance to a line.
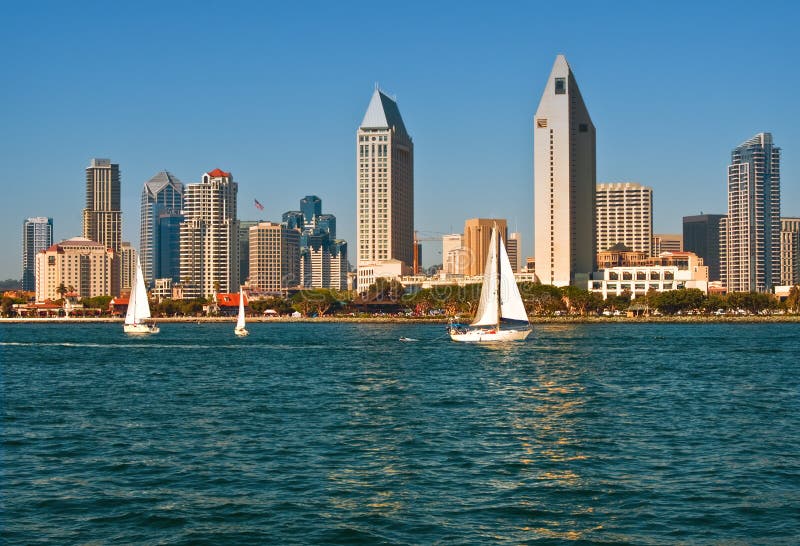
x=751, y=234
x=667, y=242
x=162, y=289
x=477, y=237
x=274, y=257
x=159, y=235
x=385, y=189
x=369, y=272
x=701, y=236
x=37, y=235
x=127, y=260
x=209, y=236
x=453, y=254
x=624, y=216
x=76, y=265
x=102, y=217
x=564, y=166
x=621, y=256
x=790, y=251
x=668, y=271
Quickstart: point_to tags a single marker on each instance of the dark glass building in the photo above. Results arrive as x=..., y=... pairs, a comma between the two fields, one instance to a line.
x=701, y=236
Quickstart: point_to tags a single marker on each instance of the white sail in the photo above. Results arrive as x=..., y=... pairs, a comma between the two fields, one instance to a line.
x=487, y=307
x=511, y=306
x=240, y=319
x=138, y=306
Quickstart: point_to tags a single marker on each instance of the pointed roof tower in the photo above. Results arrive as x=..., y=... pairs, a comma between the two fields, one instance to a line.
x=382, y=113
x=162, y=180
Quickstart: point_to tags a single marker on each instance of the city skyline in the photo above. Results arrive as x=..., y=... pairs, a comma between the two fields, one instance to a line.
x=471, y=120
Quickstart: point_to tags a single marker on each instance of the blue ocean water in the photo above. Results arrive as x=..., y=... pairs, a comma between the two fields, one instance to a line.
x=339, y=433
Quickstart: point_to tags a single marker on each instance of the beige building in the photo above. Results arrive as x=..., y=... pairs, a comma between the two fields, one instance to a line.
x=624, y=216
x=668, y=271
x=209, y=237
x=385, y=188
x=667, y=242
x=564, y=172
x=78, y=264
x=453, y=254
x=102, y=216
x=274, y=257
x=387, y=269
x=127, y=255
x=790, y=251
x=477, y=235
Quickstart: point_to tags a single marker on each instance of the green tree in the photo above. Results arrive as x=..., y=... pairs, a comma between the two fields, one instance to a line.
x=541, y=299
x=385, y=290
x=317, y=301
x=96, y=302
x=793, y=301
x=581, y=300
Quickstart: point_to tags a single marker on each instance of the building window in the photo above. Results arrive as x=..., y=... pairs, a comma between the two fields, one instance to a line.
x=561, y=86
x=583, y=127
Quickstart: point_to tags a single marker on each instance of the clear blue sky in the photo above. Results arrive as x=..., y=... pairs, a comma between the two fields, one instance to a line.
x=275, y=93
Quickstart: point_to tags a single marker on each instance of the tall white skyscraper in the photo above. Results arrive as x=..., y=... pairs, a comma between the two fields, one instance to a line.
x=564, y=170
x=624, y=216
x=385, y=202
x=209, y=236
x=751, y=233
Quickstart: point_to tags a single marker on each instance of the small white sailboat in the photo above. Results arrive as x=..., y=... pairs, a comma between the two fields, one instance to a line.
x=501, y=314
x=139, y=307
x=240, y=330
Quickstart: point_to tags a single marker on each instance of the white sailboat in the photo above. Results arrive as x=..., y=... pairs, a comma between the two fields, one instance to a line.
x=240, y=330
x=501, y=314
x=138, y=307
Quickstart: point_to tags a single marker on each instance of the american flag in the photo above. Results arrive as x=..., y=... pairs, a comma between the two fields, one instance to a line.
x=259, y=206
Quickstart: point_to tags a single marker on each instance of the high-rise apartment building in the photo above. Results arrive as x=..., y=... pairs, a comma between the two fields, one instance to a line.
x=624, y=216
x=274, y=257
x=564, y=166
x=244, y=248
x=751, y=233
x=161, y=215
x=76, y=264
x=37, y=235
x=514, y=248
x=209, y=237
x=385, y=188
x=477, y=237
x=102, y=217
x=701, y=236
x=790, y=251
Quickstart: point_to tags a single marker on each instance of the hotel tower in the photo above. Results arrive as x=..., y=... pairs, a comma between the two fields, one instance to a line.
x=564, y=175
x=102, y=217
x=385, y=202
x=750, y=235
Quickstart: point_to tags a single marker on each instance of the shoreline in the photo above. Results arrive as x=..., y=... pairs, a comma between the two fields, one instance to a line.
x=698, y=319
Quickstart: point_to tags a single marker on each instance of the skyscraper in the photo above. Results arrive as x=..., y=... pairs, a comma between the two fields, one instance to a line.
x=752, y=230
x=514, y=246
x=102, y=217
x=477, y=236
x=701, y=236
x=209, y=243
x=385, y=190
x=37, y=234
x=564, y=166
x=127, y=266
x=161, y=215
x=624, y=216
x=311, y=207
x=790, y=251
x=274, y=257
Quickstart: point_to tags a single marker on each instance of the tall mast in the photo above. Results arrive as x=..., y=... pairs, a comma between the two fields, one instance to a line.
x=496, y=250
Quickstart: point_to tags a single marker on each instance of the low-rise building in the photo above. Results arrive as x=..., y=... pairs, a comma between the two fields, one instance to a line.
x=667, y=271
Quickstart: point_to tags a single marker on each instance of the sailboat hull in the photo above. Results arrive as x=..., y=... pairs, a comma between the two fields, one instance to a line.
x=484, y=335
x=241, y=332
x=140, y=329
